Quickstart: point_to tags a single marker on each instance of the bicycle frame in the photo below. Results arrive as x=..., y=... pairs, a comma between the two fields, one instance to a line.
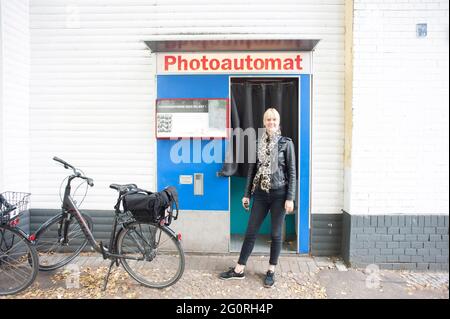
x=70, y=209
x=124, y=224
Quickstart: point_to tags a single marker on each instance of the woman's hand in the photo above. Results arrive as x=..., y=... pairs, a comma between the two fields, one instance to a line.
x=289, y=206
x=245, y=202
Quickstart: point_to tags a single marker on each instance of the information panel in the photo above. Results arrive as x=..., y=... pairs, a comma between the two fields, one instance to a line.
x=177, y=118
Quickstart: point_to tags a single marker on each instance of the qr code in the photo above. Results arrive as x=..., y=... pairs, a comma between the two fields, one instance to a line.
x=164, y=123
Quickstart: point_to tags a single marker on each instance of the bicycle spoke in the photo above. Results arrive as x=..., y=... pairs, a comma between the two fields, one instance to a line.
x=52, y=251
x=163, y=259
x=18, y=263
x=21, y=273
x=14, y=278
x=140, y=246
x=9, y=255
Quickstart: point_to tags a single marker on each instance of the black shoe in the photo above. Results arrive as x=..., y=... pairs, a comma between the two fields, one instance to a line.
x=231, y=274
x=269, y=281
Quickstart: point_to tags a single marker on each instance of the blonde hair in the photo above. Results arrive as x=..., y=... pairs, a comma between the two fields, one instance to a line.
x=271, y=111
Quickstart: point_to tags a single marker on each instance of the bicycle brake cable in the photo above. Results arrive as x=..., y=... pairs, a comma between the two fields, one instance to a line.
x=60, y=187
x=85, y=193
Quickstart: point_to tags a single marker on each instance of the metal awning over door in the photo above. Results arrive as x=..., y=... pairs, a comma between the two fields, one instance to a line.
x=231, y=45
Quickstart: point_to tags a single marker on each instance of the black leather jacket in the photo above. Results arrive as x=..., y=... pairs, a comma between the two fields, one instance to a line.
x=285, y=176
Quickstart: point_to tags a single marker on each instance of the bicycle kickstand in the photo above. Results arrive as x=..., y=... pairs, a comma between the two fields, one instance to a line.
x=105, y=283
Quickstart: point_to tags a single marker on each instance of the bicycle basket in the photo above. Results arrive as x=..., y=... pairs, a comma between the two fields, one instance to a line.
x=12, y=205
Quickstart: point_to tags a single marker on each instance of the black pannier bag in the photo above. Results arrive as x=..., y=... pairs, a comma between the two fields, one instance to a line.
x=150, y=207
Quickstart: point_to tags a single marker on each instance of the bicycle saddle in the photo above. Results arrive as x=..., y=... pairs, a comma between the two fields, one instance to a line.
x=123, y=188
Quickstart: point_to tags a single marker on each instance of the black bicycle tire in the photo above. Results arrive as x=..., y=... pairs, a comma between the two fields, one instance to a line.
x=34, y=258
x=67, y=260
x=127, y=268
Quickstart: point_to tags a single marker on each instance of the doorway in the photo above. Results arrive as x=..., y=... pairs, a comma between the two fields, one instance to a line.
x=249, y=98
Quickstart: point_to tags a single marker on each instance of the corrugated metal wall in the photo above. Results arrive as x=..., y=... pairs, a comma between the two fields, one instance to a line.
x=92, y=84
x=91, y=100
x=14, y=95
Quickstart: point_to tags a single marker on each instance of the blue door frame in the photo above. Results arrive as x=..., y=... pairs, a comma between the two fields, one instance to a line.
x=217, y=86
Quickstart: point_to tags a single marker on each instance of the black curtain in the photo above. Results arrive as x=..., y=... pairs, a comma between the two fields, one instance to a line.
x=249, y=100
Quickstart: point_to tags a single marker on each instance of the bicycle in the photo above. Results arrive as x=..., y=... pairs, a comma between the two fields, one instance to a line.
x=149, y=251
x=18, y=257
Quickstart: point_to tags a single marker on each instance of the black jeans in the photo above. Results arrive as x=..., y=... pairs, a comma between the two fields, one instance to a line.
x=263, y=203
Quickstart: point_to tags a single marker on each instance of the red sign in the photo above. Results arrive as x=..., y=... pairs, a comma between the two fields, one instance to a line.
x=257, y=62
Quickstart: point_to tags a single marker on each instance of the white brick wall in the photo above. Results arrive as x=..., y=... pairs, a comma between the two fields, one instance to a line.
x=92, y=84
x=14, y=95
x=400, y=154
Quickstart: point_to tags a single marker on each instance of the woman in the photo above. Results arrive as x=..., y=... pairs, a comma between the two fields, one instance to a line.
x=272, y=182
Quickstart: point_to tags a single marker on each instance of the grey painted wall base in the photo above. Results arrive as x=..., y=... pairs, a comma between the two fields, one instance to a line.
x=326, y=234
x=102, y=221
x=202, y=231
x=408, y=242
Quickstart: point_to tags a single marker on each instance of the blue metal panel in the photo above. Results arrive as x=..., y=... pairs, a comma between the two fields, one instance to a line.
x=305, y=103
x=216, y=189
x=192, y=86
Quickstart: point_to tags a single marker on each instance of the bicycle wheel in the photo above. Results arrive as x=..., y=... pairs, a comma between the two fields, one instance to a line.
x=53, y=253
x=159, y=256
x=18, y=261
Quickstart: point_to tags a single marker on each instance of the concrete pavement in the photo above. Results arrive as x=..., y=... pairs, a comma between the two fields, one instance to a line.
x=297, y=277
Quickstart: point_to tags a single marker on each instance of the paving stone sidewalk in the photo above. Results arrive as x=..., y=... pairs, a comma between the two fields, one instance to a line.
x=297, y=277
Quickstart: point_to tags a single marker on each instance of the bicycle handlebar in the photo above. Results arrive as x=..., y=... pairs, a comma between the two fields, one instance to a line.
x=66, y=165
x=90, y=181
x=76, y=173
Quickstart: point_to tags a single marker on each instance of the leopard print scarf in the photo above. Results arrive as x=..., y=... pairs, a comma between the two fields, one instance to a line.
x=267, y=156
